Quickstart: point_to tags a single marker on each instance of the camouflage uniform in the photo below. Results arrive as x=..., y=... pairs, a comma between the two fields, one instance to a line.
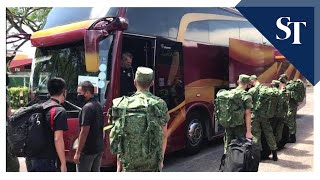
x=146, y=75
x=260, y=124
x=276, y=123
x=162, y=122
x=163, y=107
x=239, y=131
x=292, y=113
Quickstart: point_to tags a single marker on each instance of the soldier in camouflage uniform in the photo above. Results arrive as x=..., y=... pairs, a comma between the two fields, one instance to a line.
x=143, y=81
x=292, y=112
x=280, y=121
x=260, y=124
x=242, y=131
x=277, y=123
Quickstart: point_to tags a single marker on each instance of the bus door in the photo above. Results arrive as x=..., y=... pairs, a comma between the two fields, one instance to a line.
x=169, y=79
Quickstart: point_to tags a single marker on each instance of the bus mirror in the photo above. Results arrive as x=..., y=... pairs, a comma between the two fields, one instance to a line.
x=91, y=44
x=95, y=33
x=123, y=23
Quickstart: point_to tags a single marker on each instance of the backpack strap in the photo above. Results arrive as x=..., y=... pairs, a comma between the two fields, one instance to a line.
x=52, y=106
x=148, y=130
x=52, y=113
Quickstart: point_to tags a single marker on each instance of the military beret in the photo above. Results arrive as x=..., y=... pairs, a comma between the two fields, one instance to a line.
x=243, y=78
x=144, y=74
x=253, y=77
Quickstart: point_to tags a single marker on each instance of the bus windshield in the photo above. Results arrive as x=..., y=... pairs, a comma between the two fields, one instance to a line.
x=59, y=16
x=68, y=62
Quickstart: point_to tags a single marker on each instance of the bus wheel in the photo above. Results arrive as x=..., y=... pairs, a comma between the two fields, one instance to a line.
x=195, y=131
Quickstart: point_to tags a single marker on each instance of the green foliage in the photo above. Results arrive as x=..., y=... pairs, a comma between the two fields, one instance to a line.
x=33, y=17
x=14, y=95
x=24, y=19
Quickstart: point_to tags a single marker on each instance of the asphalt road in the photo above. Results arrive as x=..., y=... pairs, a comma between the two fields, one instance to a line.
x=294, y=157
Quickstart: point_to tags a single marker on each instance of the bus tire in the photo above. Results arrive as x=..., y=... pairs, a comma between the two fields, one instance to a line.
x=194, y=133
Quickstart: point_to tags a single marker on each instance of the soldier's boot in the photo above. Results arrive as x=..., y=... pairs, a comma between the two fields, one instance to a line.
x=274, y=155
x=292, y=138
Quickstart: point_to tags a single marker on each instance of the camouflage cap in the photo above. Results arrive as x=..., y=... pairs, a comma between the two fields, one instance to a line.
x=283, y=78
x=253, y=77
x=243, y=78
x=144, y=74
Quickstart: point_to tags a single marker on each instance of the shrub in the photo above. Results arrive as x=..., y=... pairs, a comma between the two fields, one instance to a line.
x=18, y=97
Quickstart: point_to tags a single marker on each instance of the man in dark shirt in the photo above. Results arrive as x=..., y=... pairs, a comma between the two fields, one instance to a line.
x=12, y=162
x=91, y=146
x=127, y=87
x=46, y=161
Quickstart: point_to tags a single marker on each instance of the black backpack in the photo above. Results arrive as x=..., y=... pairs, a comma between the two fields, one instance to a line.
x=242, y=156
x=29, y=131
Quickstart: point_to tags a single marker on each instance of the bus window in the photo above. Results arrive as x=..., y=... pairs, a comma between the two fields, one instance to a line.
x=165, y=21
x=67, y=62
x=221, y=31
x=150, y=21
x=198, y=31
x=59, y=16
x=250, y=33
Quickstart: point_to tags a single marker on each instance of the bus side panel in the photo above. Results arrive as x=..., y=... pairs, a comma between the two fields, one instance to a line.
x=206, y=71
x=176, y=140
x=205, y=64
x=252, y=58
x=205, y=68
x=108, y=159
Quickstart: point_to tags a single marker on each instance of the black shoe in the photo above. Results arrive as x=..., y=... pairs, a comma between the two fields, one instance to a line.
x=292, y=138
x=274, y=155
x=264, y=157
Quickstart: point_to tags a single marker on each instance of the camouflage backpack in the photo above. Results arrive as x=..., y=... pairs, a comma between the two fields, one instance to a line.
x=229, y=108
x=267, y=102
x=282, y=105
x=297, y=90
x=136, y=134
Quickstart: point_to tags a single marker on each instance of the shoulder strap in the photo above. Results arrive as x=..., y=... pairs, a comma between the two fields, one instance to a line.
x=260, y=86
x=52, y=106
x=52, y=112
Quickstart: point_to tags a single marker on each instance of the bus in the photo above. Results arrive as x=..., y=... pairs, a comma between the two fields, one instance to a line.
x=194, y=52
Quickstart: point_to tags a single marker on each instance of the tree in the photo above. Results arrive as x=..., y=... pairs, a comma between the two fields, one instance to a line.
x=24, y=20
